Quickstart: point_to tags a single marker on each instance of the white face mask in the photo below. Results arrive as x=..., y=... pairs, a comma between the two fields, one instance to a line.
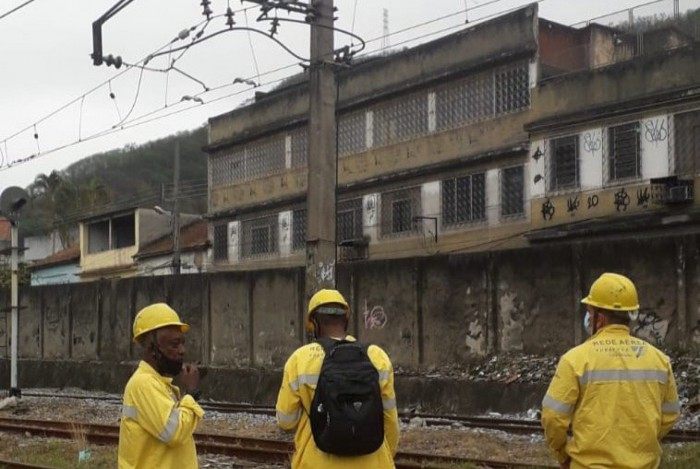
x=587, y=323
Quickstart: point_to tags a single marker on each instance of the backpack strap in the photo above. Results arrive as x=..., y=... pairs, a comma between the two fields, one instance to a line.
x=328, y=344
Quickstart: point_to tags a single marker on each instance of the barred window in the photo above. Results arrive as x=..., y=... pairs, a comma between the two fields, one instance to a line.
x=512, y=85
x=227, y=168
x=512, y=192
x=259, y=237
x=624, y=159
x=349, y=216
x=352, y=133
x=563, y=164
x=265, y=157
x=687, y=143
x=299, y=229
x=464, y=102
x=400, y=119
x=221, y=242
x=398, y=210
x=463, y=200
x=300, y=147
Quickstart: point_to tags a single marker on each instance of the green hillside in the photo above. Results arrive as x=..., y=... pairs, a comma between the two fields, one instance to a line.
x=133, y=175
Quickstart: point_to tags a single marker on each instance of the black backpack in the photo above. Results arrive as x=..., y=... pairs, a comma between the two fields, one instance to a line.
x=347, y=415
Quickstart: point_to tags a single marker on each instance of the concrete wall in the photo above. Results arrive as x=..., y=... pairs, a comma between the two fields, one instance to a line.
x=444, y=310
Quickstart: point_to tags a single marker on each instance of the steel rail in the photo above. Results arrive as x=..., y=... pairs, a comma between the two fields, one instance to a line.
x=251, y=449
x=508, y=425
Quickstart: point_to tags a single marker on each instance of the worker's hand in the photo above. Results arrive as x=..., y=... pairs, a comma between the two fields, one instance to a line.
x=189, y=377
x=566, y=464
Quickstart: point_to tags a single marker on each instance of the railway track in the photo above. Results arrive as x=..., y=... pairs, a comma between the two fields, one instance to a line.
x=517, y=426
x=250, y=449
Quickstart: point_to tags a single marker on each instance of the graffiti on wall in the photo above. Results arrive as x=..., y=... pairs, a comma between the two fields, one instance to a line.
x=622, y=200
x=592, y=142
x=375, y=318
x=593, y=201
x=655, y=130
x=572, y=204
x=650, y=327
x=326, y=272
x=548, y=210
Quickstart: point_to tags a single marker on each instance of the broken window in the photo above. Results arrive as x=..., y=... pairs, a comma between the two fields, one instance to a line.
x=512, y=88
x=98, y=236
x=352, y=133
x=563, y=164
x=512, y=192
x=221, y=242
x=123, y=232
x=463, y=200
x=686, y=143
x=259, y=236
x=398, y=210
x=624, y=159
x=349, y=216
x=299, y=229
x=400, y=119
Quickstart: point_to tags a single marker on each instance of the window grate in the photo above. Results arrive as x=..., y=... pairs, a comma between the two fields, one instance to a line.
x=464, y=102
x=300, y=147
x=299, y=229
x=221, y=242
x=463, y=200
x=512, y=192
x=624, y=160
x=686, y=143
x=512, y=88
x=398, y=210
x=563, y=164
x=352, y=133
x=259, y=237
x=400, y=119
x=349, y=217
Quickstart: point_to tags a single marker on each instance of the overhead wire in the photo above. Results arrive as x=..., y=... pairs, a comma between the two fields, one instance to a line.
x=17, y=8
x=124, y=125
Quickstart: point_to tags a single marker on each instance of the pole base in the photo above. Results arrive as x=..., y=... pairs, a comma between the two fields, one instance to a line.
x=16, y=392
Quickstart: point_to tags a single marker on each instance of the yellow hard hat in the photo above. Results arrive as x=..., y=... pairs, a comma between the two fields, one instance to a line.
x=156, y=316
x=613, y=292
x=323, y=298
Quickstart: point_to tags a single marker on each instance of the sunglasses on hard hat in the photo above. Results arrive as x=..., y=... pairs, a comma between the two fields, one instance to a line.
x=330, y=310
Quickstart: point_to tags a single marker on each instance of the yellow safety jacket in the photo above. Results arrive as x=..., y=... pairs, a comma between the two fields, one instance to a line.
x=619, y=396
x=156, y=426
x=294, y=401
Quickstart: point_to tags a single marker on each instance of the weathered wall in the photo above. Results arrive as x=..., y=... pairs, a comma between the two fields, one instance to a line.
x=508, y=35
x=439, y=311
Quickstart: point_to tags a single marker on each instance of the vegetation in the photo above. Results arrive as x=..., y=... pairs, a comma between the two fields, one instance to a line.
x=118, y=178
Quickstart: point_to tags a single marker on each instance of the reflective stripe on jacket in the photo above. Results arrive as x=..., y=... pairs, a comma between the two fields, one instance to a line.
x=156, y=426
x=296, y=393
x=619, y=396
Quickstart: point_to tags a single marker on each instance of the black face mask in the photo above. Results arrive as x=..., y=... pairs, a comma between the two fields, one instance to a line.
x=164, y=365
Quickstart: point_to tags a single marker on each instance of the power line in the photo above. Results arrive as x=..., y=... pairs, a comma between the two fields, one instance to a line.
x=16, y=9
x=137, y=121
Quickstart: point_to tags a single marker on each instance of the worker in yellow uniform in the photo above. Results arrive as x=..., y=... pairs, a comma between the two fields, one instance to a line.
x=615, y=391
x=338, y=395
x=157, y=421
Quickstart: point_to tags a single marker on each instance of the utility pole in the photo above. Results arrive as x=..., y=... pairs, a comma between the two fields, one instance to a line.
x=322, y=160
x=14, y=338
x=175, y=220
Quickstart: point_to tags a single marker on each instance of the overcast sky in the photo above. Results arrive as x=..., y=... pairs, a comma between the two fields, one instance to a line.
x=45, y=63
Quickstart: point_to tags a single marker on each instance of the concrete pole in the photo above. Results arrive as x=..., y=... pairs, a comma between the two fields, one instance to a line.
x=322, y=162
x=14, y=338
x=176, y=210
